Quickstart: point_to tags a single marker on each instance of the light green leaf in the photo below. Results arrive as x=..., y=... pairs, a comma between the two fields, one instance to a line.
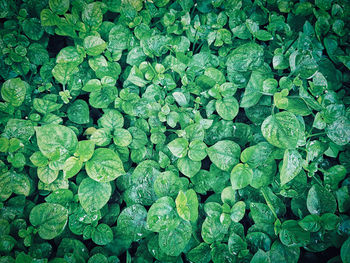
x=292, y=165
x=63, y=72
x=178, y=147
x=339, y=131
x=50, y=219
x=14, y=91
x=227, y=108
x=238, y=211
x=104, y=166
x=224, y=154
x=122, y=137
x=162, y=215
x=52, y=138
x=85, y=150
x=187, y=205
x=188, y=167
x=197, y=150
x=94, y=45
x=69, y=54
x=241, y=176
x=47, y=175
x=92, y=15
x=282, y=130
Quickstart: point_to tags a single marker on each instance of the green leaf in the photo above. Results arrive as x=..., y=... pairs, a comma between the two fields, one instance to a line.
x=188, y=167
x=60, y=196
x=320, y=200
x=254, y=89
x=70, y=55
x=103, y=98
x=143, y=177
x=246, y=57
x=14, y=91
x=161, y=3
x=293, y=235
x=93, y=195
x=241, y=176
x=53, y=138
x=135, y=56
x=197, y=150
x=32, y=28
x=339, y=131
x=13, y=182
x=345, y=251
x=260, y=257
x=45, y=106
x=238, y=211
x=236, y=244
x=282, y=130
x=263, y=35
x=132, y=222
x=214, y=230
x=102, y=235
x=292, y=165
x=101, y=137
x=162, y=215
x=261, y=213
x=224, y=154
x=280, y=252
x=59, y=7
x=215, y=74
x=200, y=254
x=63, y=72
x=257, y=154
x=122, y=137
x=92, y=15
x=17, y=128
x=334, y=175
x=48, y=18
x=78, y=112
x=104, y=166
x=94, y=45
x=187, y=205
x=47, y=175
x=173, y=242
x=98, y=258
x=119, y=37
x=227, y=108
x=169, y=184
x=178, y=147
x=310, y=223
x=221, y=254
x=50, y=219
x=111, y=119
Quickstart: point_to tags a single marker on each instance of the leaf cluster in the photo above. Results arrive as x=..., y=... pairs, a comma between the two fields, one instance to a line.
x=174, y=131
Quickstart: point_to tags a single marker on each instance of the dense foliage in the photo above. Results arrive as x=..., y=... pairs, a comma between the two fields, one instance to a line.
x=174, y=131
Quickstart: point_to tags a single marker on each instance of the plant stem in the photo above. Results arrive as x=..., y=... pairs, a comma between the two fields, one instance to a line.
x=315, y=134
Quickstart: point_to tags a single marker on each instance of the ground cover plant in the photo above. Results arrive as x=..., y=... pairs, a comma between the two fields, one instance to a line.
x=174, y=131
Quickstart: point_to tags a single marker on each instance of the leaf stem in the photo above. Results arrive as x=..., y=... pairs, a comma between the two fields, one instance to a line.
x=317, y=180
x=273, y=109
x=199, y=46
x=315, y=134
